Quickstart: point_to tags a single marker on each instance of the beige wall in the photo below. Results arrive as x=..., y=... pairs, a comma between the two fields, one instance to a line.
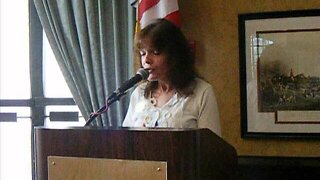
x=213, y=24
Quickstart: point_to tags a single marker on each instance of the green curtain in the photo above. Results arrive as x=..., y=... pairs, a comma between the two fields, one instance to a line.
x=92, y=42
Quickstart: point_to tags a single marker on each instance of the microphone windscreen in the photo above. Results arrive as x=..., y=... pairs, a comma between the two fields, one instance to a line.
x=144, y=73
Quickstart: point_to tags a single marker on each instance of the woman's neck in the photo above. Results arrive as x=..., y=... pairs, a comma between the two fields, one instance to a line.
x=164, y=87
x=162, y=94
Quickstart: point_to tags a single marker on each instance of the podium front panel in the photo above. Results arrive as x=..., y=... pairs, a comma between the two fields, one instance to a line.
x=188, y=153
x=75, y=168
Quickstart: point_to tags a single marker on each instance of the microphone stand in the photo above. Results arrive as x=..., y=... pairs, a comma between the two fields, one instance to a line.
x=111, y=99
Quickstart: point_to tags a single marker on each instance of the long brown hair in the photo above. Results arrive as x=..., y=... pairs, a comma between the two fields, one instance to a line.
x=168, y=38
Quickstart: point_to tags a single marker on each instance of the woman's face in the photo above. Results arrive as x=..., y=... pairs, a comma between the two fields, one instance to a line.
x=154, y=61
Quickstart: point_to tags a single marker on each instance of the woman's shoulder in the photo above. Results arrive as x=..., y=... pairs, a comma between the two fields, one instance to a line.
x=201, y=84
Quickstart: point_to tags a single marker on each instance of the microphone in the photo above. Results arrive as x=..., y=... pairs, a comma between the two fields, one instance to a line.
x=141, y=74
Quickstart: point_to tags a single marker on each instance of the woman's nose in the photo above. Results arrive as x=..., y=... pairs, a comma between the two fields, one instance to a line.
x=148, y=58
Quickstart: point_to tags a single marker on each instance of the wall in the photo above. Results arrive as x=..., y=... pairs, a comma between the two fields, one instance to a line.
x=213, y=24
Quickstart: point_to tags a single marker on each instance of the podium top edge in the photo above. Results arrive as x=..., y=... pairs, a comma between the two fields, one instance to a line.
x=117, y=128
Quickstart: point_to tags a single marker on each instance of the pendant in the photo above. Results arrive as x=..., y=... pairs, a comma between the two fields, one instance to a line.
x=153, y=101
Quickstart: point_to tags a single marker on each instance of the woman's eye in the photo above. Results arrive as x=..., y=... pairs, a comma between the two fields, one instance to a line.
x=142, y=53
x=151, y=52
x=155, y=52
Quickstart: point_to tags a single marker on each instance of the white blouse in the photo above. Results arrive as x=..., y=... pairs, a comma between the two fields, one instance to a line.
x=198, y=110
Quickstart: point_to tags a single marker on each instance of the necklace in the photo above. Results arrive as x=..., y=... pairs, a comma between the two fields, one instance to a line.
x=153, y=98
x=153, y=101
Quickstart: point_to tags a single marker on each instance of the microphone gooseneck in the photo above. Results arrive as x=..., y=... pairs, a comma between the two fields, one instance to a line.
x=142, y=74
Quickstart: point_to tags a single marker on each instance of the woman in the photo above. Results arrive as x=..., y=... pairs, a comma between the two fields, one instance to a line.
x=173, y=95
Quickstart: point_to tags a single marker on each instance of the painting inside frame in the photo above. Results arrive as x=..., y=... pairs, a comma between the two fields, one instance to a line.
x=280, y=74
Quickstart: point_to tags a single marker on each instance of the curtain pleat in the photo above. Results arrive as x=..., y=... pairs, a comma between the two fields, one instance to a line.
x=89, y=39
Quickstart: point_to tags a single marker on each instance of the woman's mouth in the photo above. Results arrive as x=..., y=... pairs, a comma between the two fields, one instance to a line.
x=149, y=70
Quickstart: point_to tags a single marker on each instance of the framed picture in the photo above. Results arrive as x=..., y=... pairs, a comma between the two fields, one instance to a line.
x=280, y=74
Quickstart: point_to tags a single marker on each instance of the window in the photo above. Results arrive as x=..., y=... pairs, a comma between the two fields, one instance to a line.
x=15, y=120
x=53, y=78
x=14, y=50
x=27, y=100
x=29, y=97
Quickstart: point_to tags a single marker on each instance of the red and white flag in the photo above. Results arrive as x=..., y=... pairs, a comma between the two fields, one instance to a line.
x=149, y=10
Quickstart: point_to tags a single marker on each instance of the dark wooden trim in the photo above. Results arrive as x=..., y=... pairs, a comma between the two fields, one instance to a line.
x=284, y=168
x=279, y=161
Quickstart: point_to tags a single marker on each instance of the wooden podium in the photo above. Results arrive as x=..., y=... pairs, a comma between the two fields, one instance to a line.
x=179, y=153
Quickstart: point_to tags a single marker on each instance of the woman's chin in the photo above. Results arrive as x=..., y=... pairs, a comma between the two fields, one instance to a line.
x=152, y=79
